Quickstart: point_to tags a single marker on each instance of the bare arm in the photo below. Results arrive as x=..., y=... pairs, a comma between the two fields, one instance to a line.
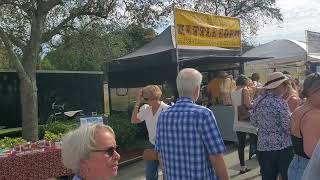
x=219, y=166
x=310, y=128
x=247, y=98
x=293, y=103
x=134, y=116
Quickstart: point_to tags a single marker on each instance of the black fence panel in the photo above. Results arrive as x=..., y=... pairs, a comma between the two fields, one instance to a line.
x=76, y=90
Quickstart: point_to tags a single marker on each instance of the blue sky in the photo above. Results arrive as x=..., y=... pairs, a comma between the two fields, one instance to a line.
x=299, y=15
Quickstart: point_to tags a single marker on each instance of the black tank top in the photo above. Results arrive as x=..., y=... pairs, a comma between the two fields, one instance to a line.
x=297, y=142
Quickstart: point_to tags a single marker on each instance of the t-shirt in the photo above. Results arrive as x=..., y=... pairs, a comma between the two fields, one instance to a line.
x=145, y=114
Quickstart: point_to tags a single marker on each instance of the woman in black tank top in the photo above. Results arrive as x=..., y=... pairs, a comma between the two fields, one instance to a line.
x=305, y=129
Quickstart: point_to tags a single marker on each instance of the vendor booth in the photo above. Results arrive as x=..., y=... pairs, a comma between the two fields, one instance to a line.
x=157, y=63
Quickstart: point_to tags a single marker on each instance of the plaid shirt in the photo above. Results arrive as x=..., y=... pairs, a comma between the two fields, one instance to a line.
x=186, y=135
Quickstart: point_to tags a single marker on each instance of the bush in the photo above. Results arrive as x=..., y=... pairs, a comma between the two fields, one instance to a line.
x=124, y=130
x=56, y=127
x=11, y=142
x=49, y=136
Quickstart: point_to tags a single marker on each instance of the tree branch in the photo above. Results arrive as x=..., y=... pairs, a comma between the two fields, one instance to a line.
x=82, y=11
x=17, y=42
x=48, y=35
x=45, y=7
x=12, y=56
x=23, y=7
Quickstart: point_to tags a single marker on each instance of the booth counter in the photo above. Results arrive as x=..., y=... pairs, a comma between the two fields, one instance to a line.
x=225, y=117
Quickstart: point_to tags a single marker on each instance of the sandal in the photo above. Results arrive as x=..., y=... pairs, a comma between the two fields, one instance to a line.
x=245, y=170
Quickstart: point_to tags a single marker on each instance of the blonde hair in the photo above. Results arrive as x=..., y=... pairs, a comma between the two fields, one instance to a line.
x=152, y=91
x=77, y=145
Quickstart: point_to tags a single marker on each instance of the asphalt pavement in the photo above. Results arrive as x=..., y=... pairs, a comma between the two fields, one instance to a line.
x=135, y=171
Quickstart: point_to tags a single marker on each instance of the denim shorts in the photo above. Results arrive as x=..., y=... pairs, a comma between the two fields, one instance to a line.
x=297, y=167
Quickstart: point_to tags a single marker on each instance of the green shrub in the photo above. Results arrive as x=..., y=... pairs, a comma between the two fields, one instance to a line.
x=56, y=127
x=8, y=142
x=49, y=136
x=124, y=130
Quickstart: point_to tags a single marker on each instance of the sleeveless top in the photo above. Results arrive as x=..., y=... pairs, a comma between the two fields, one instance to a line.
x=297, y=142
x=236, y=99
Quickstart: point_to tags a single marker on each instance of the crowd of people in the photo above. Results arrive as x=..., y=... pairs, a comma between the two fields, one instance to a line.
x=282, y=125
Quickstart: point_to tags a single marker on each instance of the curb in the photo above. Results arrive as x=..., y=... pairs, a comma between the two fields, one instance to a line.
x=130, y=161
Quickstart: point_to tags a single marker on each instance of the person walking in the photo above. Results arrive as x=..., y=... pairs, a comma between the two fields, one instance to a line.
x=241, y=96
x=255, y=77
x=149, y=113
x=305, y=127
x=188, y=139
x=270, y=114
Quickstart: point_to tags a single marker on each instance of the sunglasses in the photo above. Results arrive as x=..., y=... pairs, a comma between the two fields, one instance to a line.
x=146, y=99
x=110, y=151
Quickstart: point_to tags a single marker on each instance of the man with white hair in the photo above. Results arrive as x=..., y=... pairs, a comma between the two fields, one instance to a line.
x=188, y=138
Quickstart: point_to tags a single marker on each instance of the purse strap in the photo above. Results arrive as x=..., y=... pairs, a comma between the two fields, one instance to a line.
x=242, y=95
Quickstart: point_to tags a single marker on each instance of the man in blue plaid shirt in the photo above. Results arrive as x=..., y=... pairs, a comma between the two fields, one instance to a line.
x=188, y=139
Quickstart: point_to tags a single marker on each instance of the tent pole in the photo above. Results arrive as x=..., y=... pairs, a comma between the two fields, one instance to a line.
x=110, y=104
x=176, y=42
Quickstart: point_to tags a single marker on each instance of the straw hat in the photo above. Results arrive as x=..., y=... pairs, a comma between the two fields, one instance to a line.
x=275, y=79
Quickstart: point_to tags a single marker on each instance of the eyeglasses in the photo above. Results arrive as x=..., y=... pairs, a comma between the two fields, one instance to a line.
x=146, y=99
x=110, y=151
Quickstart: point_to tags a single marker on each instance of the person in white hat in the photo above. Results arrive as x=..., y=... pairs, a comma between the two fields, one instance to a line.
x=270, y=114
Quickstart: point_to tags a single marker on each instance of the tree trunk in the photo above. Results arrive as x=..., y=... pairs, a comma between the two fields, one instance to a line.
x=29, y=104
x=28, y=85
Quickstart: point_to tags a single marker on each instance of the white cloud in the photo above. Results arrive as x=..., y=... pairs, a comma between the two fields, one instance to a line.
x=299, y=15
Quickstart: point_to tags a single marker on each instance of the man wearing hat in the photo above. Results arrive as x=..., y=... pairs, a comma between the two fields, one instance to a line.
x=270, y=114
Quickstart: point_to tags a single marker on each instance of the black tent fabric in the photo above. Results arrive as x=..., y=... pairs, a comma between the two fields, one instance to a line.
x=157, y=61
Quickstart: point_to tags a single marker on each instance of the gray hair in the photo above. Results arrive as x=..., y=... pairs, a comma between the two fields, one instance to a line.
x=77, y=145
x=188, y=80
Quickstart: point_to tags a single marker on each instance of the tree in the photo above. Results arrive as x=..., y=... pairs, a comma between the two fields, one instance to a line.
x=253, y=13
x=4, y=61
x=27, y=25
x=89, y=48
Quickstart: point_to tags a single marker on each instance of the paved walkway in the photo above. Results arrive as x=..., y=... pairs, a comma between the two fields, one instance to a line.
x=136, y=170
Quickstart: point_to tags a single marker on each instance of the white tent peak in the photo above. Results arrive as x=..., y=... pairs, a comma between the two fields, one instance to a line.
x=281, y=48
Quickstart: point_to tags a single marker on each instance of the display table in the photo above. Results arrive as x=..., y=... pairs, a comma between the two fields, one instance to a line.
x=225, y=118
x=38, y=165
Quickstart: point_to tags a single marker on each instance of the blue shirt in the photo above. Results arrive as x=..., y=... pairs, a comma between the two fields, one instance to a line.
x=186, y=135
x=77, y=178
x=271, y=115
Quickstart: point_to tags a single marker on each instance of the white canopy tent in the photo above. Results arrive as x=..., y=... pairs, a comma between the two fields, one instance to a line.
x=288, y=55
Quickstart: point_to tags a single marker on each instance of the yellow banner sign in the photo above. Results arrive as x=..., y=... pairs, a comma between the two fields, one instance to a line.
x=199, y=29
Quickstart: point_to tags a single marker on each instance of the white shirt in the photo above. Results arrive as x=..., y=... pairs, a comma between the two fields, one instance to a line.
x=238, y=126
x=145, y=114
